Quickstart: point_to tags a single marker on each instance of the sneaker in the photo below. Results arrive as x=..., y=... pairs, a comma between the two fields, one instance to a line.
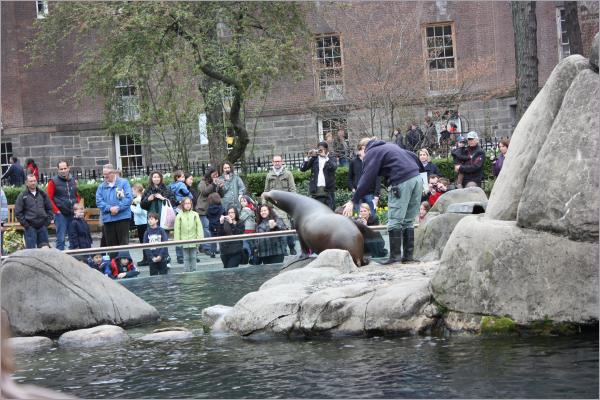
x=142, y=263
x=180, y=261
x=293, y=251
x=212, y=254
x=169, y=266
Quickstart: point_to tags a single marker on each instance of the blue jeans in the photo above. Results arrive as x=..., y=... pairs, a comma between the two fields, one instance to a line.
x=62, y=227
x=35, y=237
x=207, y=246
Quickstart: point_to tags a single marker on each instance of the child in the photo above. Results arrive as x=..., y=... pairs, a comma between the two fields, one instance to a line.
x=100, y=263
x=157, y=257
x=423, y=210
x=178, y=187
x=140, y=217
x=459, y=156
x=122, y=267
x=79, y=231
x=213, y=213
x=188, y=227
x=248, y=218
x=441, y=188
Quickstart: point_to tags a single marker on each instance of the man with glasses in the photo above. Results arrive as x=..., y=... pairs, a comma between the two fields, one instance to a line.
x=278, y=178
x=113, y=198
x=62, y=191
x=472, y=169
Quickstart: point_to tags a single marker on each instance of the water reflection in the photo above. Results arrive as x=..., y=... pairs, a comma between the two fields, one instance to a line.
x=228, y=366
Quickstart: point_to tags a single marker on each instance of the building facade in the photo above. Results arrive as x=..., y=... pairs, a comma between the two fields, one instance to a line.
x=374, y=66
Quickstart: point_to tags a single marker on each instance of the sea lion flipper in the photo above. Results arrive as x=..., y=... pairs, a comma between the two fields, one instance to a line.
x=367, y=232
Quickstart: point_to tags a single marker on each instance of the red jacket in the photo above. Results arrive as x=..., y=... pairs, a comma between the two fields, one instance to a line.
x=433, y=198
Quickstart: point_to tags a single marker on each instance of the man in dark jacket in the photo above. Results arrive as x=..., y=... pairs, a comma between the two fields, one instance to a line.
x=414, y=137
x=322, y=180
x=15, y=173
x=62, y=191
x=472, y=169
x=400, y=169
x=33, y=210
x=354, y=173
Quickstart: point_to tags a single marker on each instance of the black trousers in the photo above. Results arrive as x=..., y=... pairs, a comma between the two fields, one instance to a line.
x=116, y=233
x=158, y=268
x=276, y=259
x=231, y=260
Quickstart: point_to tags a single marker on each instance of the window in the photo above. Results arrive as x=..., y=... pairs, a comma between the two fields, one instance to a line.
x=329, y=67
x=127, y=101
x=5, y=155
x=564, y=49
x=330, y=125
x=41, y=7
x=129, y=154
x=440, y=58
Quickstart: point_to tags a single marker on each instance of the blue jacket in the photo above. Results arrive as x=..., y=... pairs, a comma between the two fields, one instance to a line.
x=104, y=266
x=180, y=190
x=396, y=165
x=156, y=235
x=15, y=174
x=106, y=197
x=79, y=234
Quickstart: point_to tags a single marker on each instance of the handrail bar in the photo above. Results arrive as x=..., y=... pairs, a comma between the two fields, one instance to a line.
x=218, y=239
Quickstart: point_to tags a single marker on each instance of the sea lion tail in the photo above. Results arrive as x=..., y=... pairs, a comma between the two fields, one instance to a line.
x=367, y=232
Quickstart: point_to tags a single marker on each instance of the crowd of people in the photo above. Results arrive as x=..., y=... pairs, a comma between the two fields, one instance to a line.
x=219, y=206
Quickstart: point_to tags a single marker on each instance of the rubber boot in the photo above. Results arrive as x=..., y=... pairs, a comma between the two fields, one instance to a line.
x=408, y=245
x=395, y=236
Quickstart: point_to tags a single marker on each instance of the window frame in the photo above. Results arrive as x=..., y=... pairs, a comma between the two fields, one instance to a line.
x=560, y=33
x=5, y=155
x=128, y=104
x=43, y=13
x=342, y=123
x=426, y=59
x=119, y=156
x=320, y=67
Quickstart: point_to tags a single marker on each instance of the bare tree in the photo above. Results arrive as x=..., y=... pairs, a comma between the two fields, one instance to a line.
x=525, y=33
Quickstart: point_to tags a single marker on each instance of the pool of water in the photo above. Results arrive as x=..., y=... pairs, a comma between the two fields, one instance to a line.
x=226, y=366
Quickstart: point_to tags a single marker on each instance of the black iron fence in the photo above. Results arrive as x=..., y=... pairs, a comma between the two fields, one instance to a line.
x=252, y=164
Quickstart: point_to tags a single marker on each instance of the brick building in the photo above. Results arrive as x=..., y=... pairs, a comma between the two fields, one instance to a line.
x=414, y=53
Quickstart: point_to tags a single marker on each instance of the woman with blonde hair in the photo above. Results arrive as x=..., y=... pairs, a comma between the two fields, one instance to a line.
x=430, y=167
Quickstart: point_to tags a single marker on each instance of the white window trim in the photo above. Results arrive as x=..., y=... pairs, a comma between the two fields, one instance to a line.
x=117, y=144
x=331, y=92
x=450, y=71
x=44, y=4
x=559, y=29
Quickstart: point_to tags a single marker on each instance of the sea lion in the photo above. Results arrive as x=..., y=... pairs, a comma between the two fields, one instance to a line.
x=318, y=227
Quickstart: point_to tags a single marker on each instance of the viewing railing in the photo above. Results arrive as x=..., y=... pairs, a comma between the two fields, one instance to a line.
x=169, y=243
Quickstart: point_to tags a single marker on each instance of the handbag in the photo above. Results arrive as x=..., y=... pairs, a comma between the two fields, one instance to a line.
x=167, y=216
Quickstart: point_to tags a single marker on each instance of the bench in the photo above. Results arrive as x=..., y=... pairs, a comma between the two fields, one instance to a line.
x=91, y=216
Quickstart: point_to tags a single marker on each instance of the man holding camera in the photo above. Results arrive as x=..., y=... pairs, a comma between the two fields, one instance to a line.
x=400, y=169
x=322, y=180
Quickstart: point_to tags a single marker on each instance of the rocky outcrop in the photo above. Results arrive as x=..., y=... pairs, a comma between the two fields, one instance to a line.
x=91, y=337
x=529, y=137
x=524, y=274
x=28, y=344
x=432, y=235
x=332, y=296
x=561, y=194
x=45, y=290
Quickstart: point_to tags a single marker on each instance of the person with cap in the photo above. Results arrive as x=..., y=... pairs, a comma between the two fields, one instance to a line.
x=472, y=167
x=322, y=180
x=459, y=156
x=400, y=169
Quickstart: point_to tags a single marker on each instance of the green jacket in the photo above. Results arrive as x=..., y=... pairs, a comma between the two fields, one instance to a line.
x=187, y=227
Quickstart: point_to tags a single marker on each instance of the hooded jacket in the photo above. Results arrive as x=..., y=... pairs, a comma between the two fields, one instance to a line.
x=396, y=165
x=116, y=267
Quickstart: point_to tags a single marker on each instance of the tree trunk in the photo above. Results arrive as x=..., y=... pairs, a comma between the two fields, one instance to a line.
x=573, y=29
x=217, y=148
x=525, y=29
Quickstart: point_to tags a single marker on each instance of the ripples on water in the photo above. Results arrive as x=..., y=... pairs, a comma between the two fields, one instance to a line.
x=227, y=366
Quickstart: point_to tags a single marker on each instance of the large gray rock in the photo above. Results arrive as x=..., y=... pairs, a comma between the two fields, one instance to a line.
x=91, y=337
x=48, y=291
x=492, y=267
x=432, y=235
x=529, y=137
x=336, y=299
x=471, y=194
x=29, y=343
x=167, y=335
x=561, y=194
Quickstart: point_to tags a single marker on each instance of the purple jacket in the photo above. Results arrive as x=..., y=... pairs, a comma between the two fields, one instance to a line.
x=396, y=165
x=497, y=165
